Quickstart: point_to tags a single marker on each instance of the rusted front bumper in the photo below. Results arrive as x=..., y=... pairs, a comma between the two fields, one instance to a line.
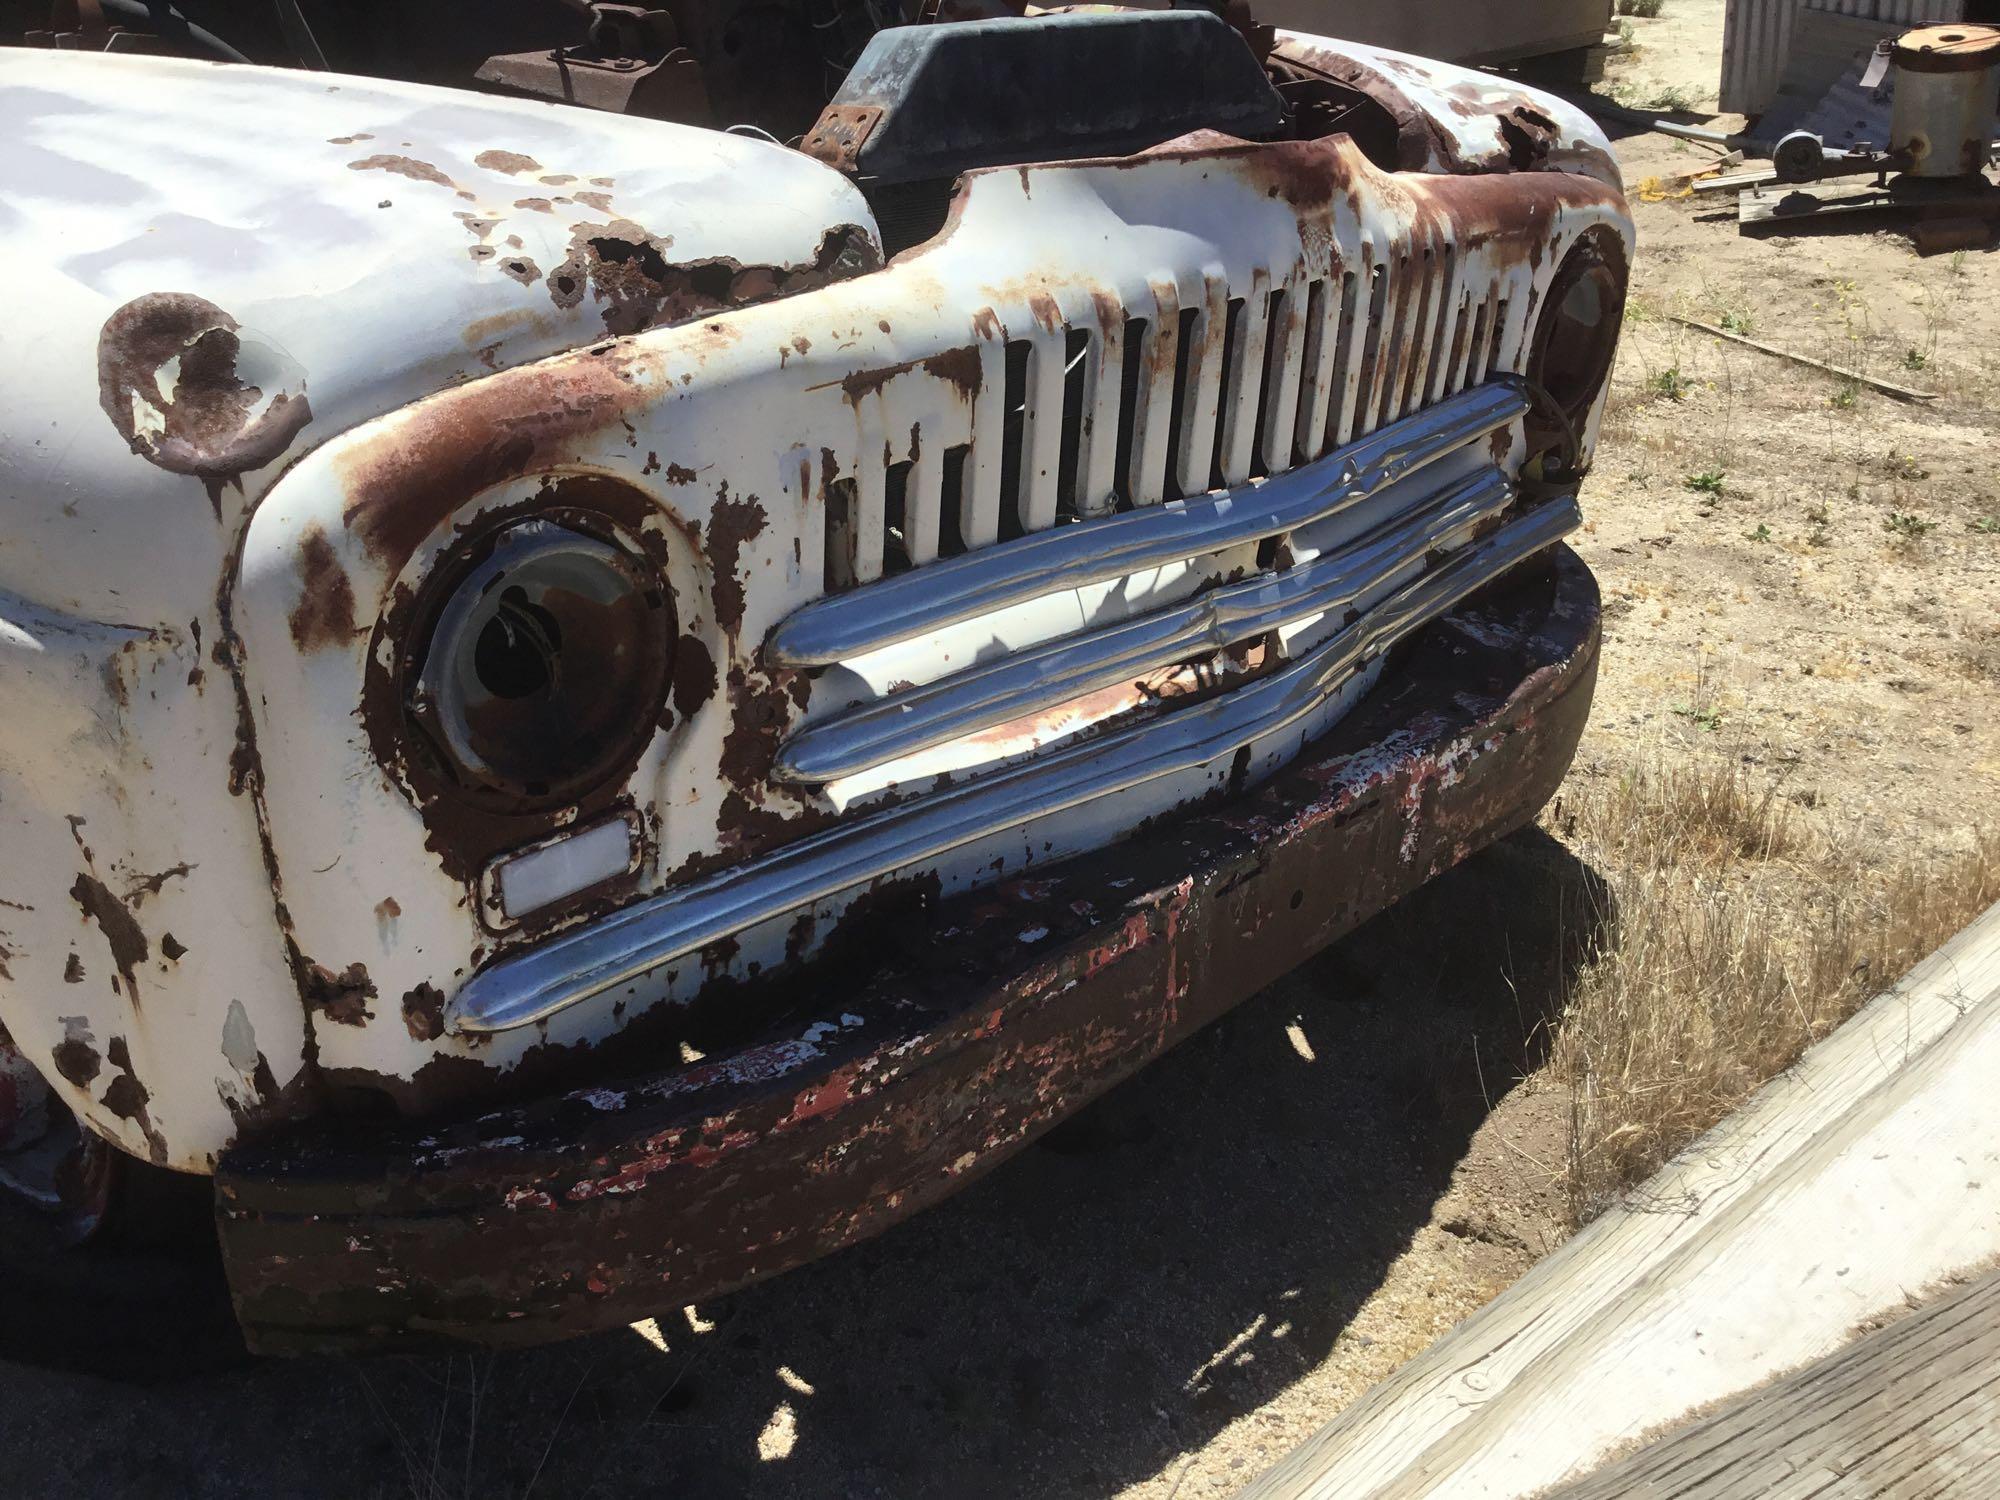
x=599, y=1207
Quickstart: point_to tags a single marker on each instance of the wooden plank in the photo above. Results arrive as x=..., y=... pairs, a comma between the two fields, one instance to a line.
x=1912, y=1408
x=1869, y=1170
x=1886, y=387
x=1735, y=182
x=1803, y=202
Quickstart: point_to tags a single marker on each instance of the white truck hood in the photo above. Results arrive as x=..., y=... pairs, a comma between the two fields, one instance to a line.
x=215, y=267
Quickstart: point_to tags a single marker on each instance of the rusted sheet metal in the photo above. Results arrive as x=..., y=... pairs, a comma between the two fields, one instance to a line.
x=601, y=1206
x=362, y=243
x=217, y=268
x=270, y=406
x=1756, y=39
x=1455, y=120
x=143, y=976
x=719, y=447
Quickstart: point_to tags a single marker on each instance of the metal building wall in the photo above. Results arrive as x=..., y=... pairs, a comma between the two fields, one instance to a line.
x=1757, y=39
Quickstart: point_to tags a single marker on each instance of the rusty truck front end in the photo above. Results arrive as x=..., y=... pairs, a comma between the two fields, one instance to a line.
x=588, y=775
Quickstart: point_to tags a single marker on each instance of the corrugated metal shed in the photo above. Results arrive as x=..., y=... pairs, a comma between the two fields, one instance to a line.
x=1757, y=39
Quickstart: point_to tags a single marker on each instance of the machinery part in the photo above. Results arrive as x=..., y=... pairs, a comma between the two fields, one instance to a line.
x=1946, y=79
x=135, y=26
x=1041, y=678
x=1799, y=157
x=840, y=627
x=1804, y=157
x=631, y=63
x=925, y=102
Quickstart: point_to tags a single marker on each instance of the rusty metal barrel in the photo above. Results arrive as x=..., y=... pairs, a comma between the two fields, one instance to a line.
x=1946, y=82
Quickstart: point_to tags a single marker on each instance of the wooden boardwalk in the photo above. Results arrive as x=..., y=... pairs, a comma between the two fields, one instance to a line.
x=1865, y=1174
x=1912, y=1409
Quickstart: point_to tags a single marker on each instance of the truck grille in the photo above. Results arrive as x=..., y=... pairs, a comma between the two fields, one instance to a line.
x=1089, y=403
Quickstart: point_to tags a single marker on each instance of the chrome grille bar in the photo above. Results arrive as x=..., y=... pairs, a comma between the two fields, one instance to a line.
x=843, y=626
x=1043, y=677
x=661, y=929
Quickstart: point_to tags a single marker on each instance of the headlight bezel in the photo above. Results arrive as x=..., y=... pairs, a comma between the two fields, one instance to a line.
x=1575, y=339
x=448, y=755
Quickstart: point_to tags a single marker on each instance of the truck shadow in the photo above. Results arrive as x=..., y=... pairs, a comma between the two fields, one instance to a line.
x=1184, y=1252
x=1170, y=1260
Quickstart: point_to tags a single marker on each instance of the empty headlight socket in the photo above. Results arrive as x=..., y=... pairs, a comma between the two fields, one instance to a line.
x=1576, y=336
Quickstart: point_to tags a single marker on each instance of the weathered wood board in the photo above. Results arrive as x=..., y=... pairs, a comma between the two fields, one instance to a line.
x=1801, y=202
x=1867, y=1172
x=1913, y=1408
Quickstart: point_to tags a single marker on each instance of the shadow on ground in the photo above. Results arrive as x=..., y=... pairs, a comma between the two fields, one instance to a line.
x=1166, y=1262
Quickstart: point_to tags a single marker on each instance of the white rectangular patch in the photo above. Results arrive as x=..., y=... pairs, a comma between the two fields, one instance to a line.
x=557, y=870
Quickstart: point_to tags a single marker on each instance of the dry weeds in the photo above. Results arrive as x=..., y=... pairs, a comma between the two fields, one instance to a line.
x=1737, y=930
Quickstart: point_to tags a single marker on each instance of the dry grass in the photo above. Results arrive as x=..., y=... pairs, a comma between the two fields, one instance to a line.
x=1737, y=931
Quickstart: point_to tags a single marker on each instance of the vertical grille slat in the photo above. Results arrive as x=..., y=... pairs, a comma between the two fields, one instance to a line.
x=1509, y=326
x=1042, y=423
x=1245, y=369
x=1322, y=360
x=1188, y=351
x=1423, y=327
x=1103, y=400
x=1078, y=364
x=896, y=518
x=1395, y=344
x=1154, y=406
x=1464, y=337
x=1284, y=374
x=1131, y=380
x=870, y=513
x=1355, y=290
x=1202, y=395
x=1479, y=352
x=839, y=562
x=979, y=501
x=923, y=507
x=1367, y=377
x=1014, y=440
x=1445, y=299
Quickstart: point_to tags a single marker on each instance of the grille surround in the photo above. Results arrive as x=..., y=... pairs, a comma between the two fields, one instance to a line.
x=1092, y=401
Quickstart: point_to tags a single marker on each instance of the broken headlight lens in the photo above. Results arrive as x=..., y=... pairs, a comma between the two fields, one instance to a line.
x=1578, y=332
x=545, y=663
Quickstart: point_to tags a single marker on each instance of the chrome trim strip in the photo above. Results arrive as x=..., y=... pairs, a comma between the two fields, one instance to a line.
x=533, y=985
x=843, y=626
x=1057, y=672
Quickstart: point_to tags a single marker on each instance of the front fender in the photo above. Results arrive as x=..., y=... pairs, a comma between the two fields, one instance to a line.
x=1455, y=120
x=140, y=968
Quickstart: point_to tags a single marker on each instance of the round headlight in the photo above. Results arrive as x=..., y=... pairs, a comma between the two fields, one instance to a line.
x=1578, y=332
x=545, y=663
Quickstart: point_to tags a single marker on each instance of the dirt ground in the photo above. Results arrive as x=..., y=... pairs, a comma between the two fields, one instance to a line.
x=1182, y=1283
